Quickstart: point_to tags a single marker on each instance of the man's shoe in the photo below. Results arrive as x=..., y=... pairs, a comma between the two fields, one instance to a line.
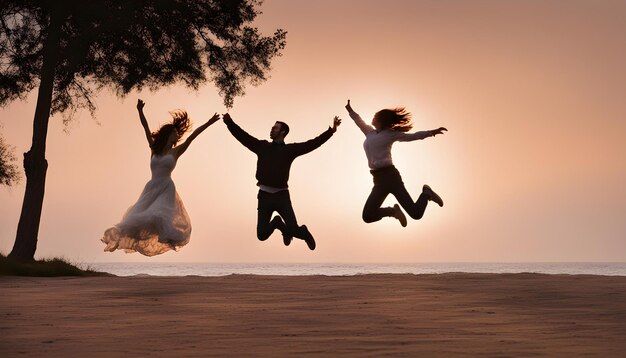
x=432, y=196
x=277, y=223
x=308, y=238
x=287, y=239
x=398, y=214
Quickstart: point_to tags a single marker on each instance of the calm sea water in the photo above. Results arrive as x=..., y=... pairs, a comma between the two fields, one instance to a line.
x=221, y=269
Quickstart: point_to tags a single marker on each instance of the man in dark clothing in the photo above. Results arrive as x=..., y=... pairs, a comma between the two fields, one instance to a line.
x=272, y=173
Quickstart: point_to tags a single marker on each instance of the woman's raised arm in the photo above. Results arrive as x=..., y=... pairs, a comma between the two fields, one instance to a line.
x=364, y=127
x=144, y=122
x=408, y=137
x=179, y=150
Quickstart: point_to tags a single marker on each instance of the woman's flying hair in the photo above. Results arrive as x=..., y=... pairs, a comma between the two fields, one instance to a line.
x=180, y=122
x=397, y=119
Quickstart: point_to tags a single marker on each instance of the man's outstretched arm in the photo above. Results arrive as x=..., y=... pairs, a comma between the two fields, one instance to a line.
x=242, y=136
x=310, y=145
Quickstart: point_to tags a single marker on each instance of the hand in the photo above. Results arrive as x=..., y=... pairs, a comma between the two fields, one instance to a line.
x=226, y=117
x=336, y=123
x=439, y=130
x=140, y=105
x=349, y=107
x=215, y=118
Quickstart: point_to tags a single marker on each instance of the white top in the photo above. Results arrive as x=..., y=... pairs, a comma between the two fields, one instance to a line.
x=378, y=144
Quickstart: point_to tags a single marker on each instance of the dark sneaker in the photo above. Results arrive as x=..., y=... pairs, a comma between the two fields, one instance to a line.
x=432, y=196
x=398, y=214
x=277, y=223
x=287, y=239
x=308, y=238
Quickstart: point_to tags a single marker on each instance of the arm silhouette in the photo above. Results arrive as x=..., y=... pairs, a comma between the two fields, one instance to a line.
x=312, y=144
x=242, y=136
x=144, y=122
x=408, y=137
x=180, y=149
x=364, y=127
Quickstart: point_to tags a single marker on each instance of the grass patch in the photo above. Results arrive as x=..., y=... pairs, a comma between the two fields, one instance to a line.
x=44, y=268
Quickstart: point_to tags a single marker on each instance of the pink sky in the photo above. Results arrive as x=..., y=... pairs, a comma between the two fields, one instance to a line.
x=532, y=168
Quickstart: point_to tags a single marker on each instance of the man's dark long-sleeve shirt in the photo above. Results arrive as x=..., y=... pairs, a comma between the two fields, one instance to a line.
x=274, y=159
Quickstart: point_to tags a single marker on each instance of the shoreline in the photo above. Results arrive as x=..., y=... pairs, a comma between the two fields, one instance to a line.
x=452, y=314
x=235, y=275
x=334, y=269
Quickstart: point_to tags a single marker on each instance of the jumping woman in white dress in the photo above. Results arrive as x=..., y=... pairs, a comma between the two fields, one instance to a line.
x=389, y=126
x=158, y=221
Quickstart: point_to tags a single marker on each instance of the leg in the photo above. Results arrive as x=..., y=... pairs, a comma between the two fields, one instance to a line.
x=414, y=209
x=285, y=210
x=264, y=212
x=372, y=211
x=278, y=223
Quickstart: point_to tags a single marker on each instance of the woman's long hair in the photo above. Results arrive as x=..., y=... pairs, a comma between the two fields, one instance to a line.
x=397, y=119
x=180, y=122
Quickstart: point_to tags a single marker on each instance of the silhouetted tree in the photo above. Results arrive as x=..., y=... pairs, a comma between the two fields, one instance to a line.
x=9, y=172
x=72, y=48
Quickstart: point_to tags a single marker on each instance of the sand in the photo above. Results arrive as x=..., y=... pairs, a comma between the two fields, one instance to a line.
x=371, y=315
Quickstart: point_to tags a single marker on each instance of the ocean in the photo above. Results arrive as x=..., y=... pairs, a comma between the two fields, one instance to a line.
x=330, y=269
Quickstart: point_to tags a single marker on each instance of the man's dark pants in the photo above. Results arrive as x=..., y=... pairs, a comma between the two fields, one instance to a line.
x=281, y=203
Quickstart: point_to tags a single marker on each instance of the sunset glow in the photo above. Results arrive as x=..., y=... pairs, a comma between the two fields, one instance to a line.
x=531, y=169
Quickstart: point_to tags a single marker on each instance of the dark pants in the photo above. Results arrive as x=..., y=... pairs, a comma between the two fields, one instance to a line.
x=281, y=203
x=388, y=181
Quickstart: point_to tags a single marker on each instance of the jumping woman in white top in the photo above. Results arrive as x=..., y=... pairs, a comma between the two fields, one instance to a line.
x=389, y=126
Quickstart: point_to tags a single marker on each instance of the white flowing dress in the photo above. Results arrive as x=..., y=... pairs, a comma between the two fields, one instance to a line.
x=158, y=221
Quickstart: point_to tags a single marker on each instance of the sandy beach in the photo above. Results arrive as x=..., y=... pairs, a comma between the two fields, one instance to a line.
x=369, y=315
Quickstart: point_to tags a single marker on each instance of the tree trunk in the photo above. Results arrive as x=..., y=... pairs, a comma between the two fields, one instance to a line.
x=35, y=163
